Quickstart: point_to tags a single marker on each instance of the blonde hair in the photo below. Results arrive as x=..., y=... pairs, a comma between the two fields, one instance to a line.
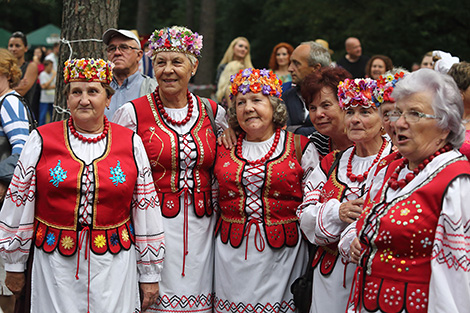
x=228, y=56
x=232, y=68
x=9, y=67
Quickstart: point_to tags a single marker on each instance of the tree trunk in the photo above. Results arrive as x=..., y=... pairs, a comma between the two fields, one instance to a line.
x=142, y=16
x=81, y=20
x=204, y=78
x=190, y=14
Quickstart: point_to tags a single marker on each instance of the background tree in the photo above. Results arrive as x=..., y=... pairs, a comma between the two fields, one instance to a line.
x=82, y=19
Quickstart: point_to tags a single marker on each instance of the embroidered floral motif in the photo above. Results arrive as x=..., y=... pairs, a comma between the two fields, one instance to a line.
x=226, y=164
x=125, y=235
x=426, y=242
x=131, y=229
x=118, y=175
x=201, y=204
x=170, y=204
x=58, y=174
x=40, y=234
x=291, y=165
x=276, y=194
x=50, y=239
x=67, y=242
x=231, y=194
x=404, y=212
x=114, y=239
x=100, y=241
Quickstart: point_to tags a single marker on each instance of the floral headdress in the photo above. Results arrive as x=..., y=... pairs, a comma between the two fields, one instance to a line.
x=254, y=80
x=354, y=92
x=385, y=85
x=88, y=70
x=175, y=38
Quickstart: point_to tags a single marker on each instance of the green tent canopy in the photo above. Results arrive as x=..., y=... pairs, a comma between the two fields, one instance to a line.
x=44, y=36
x=4, y=37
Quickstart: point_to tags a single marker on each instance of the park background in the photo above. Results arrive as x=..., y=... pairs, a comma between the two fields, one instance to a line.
x=402, y=29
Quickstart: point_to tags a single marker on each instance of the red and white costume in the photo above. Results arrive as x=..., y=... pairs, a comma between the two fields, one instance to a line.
x=416, y=255
x=181, y=158
x=320, y=222
x=90, y=211
x=259, y=250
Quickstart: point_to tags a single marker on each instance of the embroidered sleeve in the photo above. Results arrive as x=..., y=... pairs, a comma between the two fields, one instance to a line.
x=347, y=237
x=147, y=220
x=125, y=116
x=221, y=120
x=310, y=159
x=450, y=264
x=17, y=214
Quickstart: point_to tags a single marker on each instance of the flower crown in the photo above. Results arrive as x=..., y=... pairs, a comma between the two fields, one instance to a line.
x=175, y=38
x=385, y=86
x=254, y=80
x=88, y=70
x=354, y=92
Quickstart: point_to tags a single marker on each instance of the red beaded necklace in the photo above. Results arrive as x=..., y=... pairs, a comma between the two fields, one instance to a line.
x=267, y=156
x=89, y=140
x=394, y=183
x=161, y=108
x=361, y=177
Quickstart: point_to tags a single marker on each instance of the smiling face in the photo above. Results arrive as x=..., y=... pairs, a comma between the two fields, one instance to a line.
x=240, y=50
x=173, y=72
x=417, y=141
x=86, y=102
x=362, y=124
x=282, y=57
x=426, y=62
x=255, y=115
x=325, y=113
x=377, y=68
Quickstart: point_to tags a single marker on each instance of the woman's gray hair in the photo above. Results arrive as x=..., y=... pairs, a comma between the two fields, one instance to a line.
x=279, y=114
x=447, y=102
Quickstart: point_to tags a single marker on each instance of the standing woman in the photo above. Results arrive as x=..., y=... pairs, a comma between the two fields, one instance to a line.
x=259, y=250
x=82, y=198
x=279, y=61
x=335, y=201
x=176, y=129
x=238, y=50
x=18, y=46
x=413, y=238
x=378, y=65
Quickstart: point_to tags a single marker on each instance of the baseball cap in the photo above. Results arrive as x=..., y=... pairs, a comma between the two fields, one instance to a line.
x=110, y=33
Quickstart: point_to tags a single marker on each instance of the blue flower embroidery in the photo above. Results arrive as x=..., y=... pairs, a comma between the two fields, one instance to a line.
x=50, y=239
x=131, y=229
x=114, y=239
x=118, y=175
x=58, y=174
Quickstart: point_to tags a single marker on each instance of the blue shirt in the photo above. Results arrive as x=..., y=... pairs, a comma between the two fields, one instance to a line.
x=128, y=91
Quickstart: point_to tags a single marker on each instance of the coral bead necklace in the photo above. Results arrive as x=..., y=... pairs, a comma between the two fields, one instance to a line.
x=89, y=140
x=394, y=183
x=267, y=156
x=161, y=108
x=361, y=177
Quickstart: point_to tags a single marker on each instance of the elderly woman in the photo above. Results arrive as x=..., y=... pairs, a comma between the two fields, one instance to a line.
x=83, y=197
x=320, y=92
x=460, y=72
x=259, y=249
x=409, y=234
x=179, y=133
x=333, y=195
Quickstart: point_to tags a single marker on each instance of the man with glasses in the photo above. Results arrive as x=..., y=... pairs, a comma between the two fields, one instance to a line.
x=123, y=49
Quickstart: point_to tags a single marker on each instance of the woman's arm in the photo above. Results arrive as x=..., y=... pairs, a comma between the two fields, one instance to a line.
x=28, y=80
x=449, y=288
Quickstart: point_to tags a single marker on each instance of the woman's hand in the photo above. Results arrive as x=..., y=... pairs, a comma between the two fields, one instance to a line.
x=355, y=251
x=351, y=210
x=148, y=294
x=15, y=281
x=228, y=138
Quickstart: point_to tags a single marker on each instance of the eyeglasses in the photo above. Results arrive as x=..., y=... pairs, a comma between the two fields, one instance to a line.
x=409, y=116
x=123, y=48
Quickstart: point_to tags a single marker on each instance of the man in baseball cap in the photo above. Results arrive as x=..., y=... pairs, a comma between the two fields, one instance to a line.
x=123, y=49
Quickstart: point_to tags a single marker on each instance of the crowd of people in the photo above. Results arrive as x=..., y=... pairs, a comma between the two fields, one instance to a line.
x=149, y=198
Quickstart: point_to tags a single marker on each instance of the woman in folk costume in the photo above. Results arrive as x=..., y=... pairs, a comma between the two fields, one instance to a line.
x=339, y=182
x=259, y=250
x=179, y=133
x=413, y=235
x=83, y=200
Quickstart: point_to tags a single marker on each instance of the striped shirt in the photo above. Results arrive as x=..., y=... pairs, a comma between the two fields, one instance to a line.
x=14, y=122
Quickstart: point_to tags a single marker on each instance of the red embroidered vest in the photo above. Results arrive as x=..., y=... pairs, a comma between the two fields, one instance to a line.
x=281, y=194
x=59, y=185
x=162, y=146
x=398, y=267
